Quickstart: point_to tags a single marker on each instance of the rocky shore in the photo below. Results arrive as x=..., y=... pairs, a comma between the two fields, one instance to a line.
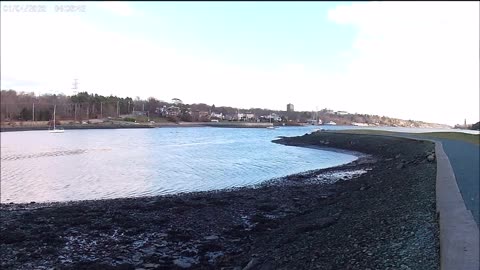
x=375, y=213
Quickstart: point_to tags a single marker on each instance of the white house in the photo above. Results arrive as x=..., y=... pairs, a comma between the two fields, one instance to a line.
x=216, y=115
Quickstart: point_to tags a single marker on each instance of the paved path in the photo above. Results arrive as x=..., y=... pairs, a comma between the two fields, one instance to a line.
x=457, y=188
x=465, y=159
x=459, y=237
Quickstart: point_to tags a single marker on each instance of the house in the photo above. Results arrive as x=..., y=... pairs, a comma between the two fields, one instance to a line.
x=214, y=115
x=272, y=117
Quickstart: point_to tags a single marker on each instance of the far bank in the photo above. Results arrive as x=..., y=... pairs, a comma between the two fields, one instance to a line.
x=123, y=124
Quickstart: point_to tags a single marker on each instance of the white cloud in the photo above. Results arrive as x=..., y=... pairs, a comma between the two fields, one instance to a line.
x=414, y=60
x=118, y=8
x=408, y=60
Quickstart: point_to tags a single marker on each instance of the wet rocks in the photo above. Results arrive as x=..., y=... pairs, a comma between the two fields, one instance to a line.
x=211, y=237
x=317, y=225
x=251, y=264
x=184, y=262
x=400, y=166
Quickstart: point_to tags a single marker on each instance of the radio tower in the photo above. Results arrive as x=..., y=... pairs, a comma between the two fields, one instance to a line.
x=75, y=86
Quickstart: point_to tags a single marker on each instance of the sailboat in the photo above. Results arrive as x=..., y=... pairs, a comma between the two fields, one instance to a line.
x=55, y=130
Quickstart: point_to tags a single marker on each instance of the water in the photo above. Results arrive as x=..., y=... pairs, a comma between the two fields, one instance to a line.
x=99, y=164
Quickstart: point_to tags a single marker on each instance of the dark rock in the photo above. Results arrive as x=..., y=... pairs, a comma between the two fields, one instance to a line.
x=184, y=262
x=211, y=237
x=317, y=225
x=252, y=264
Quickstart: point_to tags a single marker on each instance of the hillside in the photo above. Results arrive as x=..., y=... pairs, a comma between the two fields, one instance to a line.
x=23, y=106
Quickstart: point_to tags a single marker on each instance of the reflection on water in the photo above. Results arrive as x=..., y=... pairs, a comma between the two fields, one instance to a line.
x=94, y=164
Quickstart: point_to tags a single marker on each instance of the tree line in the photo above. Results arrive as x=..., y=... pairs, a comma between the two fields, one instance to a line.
x=23, y=106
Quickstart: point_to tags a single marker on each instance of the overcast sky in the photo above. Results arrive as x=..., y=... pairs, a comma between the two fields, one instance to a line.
x=411, y=60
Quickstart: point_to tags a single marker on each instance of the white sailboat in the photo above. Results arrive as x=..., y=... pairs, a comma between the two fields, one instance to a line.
x=55, y=130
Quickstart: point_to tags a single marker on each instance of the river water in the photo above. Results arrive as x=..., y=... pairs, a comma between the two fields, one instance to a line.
x=99, y=164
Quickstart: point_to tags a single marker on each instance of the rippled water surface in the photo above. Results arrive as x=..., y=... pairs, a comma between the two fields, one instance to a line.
x=95, y=164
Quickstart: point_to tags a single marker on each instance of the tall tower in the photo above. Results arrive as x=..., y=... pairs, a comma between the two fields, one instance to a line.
x=290, y=107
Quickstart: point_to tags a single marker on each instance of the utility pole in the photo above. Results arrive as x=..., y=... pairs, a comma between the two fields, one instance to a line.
x=143, y=107
x=88, y=115
x=75, y=87
x=128, y=111
x=118, y=108
x=33, y=112
x=101, y=110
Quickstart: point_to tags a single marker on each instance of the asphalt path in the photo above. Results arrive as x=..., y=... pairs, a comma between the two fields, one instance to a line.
x=465, y=160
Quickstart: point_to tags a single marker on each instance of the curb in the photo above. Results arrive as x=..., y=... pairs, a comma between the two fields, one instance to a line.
x=459, y=234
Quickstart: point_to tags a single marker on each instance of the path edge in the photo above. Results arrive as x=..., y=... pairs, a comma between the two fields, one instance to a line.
x=459, y=234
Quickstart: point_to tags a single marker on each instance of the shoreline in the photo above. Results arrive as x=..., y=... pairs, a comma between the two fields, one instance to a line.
x=362, y=159
x=5, y=128
x=382, y=215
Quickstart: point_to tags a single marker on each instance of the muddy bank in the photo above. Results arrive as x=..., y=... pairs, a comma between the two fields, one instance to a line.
x=377, y=212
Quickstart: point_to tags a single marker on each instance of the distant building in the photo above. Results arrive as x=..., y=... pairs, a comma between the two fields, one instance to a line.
x=216, y=115
x=328, y=111
x=244, y=116
x=290, y=107
x=272, y=117
x=341, y=112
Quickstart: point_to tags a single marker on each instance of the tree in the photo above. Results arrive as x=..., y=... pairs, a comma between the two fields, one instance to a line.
x=25, y=114
x=152, y=105
x=475, y=126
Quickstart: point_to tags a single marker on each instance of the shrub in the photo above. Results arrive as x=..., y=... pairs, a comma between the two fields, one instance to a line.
x=129, y=119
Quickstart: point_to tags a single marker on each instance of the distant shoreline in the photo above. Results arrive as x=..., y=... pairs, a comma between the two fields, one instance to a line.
x=138, y=125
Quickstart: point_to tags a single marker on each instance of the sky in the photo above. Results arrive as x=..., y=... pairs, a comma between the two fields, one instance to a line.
x=410, y=60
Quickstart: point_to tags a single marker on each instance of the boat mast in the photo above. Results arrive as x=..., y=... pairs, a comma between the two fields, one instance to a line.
x=54, y=108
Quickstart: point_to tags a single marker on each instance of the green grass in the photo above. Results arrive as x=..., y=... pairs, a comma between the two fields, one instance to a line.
x=471, y=138
x=366, y=131
x=459, y=136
